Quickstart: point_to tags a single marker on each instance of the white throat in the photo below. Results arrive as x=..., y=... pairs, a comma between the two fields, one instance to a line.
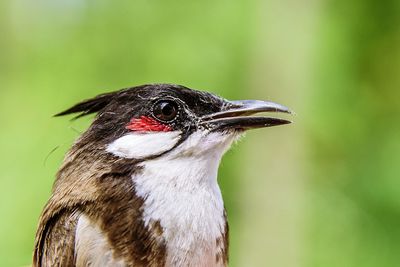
x=181, y=192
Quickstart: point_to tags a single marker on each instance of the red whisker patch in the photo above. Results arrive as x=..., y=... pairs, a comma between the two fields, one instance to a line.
x=147, y=124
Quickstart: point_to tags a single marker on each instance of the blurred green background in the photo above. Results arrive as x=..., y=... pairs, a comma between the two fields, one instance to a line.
x=324, y=191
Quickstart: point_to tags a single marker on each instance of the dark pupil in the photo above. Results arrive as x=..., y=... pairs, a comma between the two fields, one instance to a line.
x=165, y=110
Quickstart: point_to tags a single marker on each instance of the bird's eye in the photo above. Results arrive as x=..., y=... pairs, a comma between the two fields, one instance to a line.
x=165, y=110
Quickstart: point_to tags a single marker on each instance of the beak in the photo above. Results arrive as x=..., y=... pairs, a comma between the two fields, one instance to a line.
x=237, y=115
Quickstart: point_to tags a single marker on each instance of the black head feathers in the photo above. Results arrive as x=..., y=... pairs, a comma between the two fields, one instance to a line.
x=200, y=102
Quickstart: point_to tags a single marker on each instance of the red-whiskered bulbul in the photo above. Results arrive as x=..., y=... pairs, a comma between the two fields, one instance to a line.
x=139, y=187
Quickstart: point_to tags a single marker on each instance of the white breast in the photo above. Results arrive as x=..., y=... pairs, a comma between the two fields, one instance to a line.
x=181, y=192
x=91, y=246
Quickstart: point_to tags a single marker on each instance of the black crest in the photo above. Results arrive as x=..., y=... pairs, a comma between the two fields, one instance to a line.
x=90, y=106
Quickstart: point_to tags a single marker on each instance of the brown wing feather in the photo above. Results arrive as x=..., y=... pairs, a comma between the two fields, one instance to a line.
x=55, y=241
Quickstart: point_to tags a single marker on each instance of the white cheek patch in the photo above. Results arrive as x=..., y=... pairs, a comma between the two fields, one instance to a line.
x=141, y=145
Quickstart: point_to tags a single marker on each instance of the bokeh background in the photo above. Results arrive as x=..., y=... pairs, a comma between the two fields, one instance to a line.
x=324, y=191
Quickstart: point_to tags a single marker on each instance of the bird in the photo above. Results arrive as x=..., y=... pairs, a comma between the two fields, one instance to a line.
x=139, y=186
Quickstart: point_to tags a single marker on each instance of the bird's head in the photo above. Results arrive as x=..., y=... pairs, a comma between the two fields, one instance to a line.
x=150, y=121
